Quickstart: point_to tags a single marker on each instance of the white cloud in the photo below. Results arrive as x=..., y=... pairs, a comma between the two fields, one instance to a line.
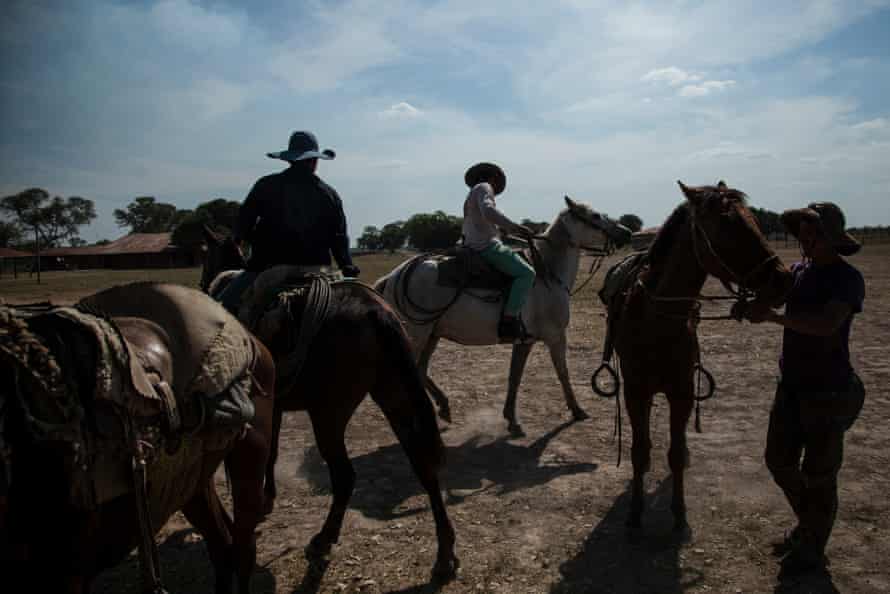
x=875, y=125
x=191, y=24
x=349, y=41
x=672, y=75
x=705, y=88
x=401, y=110
x=212, y=98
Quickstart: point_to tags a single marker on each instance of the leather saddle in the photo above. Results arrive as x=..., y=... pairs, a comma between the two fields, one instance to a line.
x=463, y=268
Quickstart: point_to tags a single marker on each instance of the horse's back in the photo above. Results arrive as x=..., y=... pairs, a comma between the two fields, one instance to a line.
x=209, y=347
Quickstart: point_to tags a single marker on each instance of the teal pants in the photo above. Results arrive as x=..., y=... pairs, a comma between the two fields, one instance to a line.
x=510, y=263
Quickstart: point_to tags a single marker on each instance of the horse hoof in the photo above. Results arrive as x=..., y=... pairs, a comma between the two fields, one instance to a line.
x=579, y=415
x=268, y=506
x=515, y=430
x=681, y=528
x=445, y=570
x=318, y=548
x=445, y=414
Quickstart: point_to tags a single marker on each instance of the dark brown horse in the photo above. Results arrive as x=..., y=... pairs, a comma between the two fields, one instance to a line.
x=713, y=232
x=56, y=536
x=360, y=348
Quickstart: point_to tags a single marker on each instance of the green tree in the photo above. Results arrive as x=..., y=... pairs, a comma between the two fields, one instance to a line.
x=433, y=231
x=369, y=239
x=52, y=219
x=219, y=214
x=10, y=234
x=393, y=236
x=631, y=221
x=146, y=215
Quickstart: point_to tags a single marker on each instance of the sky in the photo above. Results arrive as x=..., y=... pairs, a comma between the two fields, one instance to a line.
x=607, y=102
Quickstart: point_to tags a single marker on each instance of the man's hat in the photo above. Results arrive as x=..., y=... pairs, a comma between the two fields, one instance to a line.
x=830, y=218
x=483, y=172
x=302, y=146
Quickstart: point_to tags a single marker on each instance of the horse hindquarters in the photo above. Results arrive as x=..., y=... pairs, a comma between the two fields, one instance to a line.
x=400, y=393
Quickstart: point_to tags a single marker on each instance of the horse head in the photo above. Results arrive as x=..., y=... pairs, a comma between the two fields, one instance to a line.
x=221, y=254
x=589, y=229
x=728, y=243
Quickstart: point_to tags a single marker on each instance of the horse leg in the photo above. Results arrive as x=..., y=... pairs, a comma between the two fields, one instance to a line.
x=518, y=359
x=329, y=426
x=434, y=390
x=206, y=513
x=638, y=404
x=678, y=455
x=410, y=415
x=558, y=356
x=270, y=491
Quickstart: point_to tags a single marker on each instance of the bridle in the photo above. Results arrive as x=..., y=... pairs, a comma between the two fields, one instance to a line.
x=599, y=252
x=744, y=288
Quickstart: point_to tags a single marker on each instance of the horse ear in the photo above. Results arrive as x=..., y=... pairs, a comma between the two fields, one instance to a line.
x=721, y=185
x=691, y=194
x=570, y=203
x=210, y=235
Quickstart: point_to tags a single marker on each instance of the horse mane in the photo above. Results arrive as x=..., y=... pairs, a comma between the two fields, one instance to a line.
x=666, y=236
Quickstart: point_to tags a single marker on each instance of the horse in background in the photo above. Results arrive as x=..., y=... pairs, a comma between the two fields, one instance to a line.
x=470, y=317
x=115, y=396
x=655, y=335
x=359, y=348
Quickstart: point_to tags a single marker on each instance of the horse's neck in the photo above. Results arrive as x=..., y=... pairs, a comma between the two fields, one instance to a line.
x=680, y=275
x=559, y=255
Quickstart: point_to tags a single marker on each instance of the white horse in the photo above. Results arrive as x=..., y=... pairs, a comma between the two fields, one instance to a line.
x=472, y=317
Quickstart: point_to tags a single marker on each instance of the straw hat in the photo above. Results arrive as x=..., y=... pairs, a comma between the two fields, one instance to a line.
x=486, y=172
x=830, y=218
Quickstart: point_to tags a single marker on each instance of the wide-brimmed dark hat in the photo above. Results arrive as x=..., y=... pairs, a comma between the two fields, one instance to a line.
x=302, y=146
x=830, y=218
x=486, y=172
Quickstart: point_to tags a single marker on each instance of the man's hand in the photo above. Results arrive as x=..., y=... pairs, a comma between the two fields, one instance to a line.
x=351, y=271
x=758, y=313
x=524, y=232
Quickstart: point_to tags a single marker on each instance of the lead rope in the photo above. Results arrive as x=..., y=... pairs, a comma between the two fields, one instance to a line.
x=616, y=432
x=149, y=559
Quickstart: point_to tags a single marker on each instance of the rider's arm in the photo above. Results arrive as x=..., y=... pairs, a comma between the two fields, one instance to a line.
x=339, y=239
x=490, y=210
x=824, y=323
x=247, y=216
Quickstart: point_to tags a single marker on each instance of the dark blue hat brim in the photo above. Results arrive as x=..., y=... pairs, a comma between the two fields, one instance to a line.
x=326, y=154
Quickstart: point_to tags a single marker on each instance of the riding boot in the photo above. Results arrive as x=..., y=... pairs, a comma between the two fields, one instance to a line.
x=510, y=329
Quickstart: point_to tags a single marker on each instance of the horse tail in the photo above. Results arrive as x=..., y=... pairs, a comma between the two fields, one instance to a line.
x=402, y=395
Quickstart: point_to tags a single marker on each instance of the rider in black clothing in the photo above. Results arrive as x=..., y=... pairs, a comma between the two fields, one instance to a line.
x=291, y=217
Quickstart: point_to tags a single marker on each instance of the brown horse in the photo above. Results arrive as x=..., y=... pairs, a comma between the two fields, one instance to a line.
x=360, y=348
x=713, y=232
x=71, y=507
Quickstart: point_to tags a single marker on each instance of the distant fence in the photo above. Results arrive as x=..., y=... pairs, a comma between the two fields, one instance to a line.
x=868, y=236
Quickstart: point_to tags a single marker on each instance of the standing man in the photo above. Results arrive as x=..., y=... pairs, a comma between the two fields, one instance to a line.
x=481, y=225
x=819, y=395
x=291, y=217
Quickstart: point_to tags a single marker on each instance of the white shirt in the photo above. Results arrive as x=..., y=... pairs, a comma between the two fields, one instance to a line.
x=482, y=218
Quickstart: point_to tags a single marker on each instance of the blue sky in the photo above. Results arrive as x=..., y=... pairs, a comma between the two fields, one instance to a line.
x=608, y=102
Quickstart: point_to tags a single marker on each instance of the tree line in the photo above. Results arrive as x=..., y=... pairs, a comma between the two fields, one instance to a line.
x=33, y=216
x=32, y=219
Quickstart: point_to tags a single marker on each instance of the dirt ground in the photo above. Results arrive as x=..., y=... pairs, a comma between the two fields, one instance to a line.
x=546, y=513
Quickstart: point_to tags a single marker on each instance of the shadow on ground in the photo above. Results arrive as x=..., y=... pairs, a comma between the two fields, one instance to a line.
x=185, y=567
x=385, y=479
x=611, y=562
